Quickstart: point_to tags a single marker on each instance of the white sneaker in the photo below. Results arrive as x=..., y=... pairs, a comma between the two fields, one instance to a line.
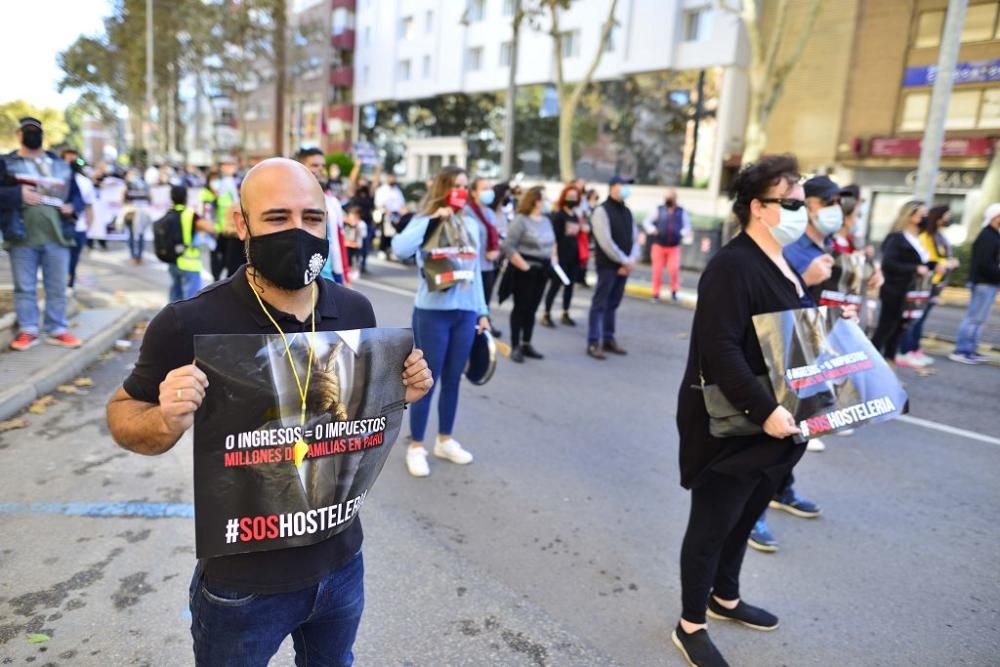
x=815, y=445
x=924, y=357
x=450, y=450
x=416, y=461
x=846, y=433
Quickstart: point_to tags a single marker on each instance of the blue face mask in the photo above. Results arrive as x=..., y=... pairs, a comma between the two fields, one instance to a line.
x=791, y=226
x=486, y=197
x=625, y=191
x=829, y=219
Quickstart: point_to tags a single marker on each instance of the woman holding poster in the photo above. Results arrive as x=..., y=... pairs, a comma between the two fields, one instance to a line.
x=450, y=308
x=732, y=479
x=903, y=258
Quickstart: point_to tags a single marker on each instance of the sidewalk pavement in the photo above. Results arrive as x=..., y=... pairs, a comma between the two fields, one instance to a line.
x=25, y=376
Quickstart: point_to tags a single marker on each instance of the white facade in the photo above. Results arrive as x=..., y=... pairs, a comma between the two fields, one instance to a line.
x=413, y=49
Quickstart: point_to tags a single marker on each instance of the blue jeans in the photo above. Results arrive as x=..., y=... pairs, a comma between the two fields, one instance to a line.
x=445, y=336
x=980, y=302
x=54, y=262
x=74, y=254
x=233, y=629
x=914, y=332
x=184, y=284
x=136, y=232
x=608, y=296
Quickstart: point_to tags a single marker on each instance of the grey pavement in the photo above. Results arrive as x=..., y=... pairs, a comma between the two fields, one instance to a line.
x=559, y=545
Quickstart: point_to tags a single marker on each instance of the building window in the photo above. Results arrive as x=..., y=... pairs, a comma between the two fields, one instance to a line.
x=476, y=10
x=429, y=21
x=980, y=21
x=696, y=25
x=915, y=107
x=342, y=20
x=368, y=35
x=506, y=54
x=963, y=109
x=403, y=70
x=364, y=75
x=508, y=7
x=571, y=44
x=406, y=27
x=474, y=59
x=989, y=112
x=929, y=27
x=427, y=67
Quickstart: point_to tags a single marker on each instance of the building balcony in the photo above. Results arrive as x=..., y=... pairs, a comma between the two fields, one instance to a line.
x=350, y=5
x=344, y=41
x=342, y=77
x=344, y=112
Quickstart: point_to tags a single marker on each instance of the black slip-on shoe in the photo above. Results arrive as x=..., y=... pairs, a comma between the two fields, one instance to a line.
x=746, y=614
x=595, y=351
x=530, y=352
x=517, y=355
x=697, y=648
x=547, y=321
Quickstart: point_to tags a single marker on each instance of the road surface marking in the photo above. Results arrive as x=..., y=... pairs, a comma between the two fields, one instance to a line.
x=944, y=428
x=135, y=509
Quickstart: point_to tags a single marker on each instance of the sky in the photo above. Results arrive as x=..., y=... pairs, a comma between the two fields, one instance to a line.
x=30, y=71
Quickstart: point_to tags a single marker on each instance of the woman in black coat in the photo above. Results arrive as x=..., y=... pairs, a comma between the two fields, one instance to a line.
x=903, y=257
x=567, y=223
x=733, y=479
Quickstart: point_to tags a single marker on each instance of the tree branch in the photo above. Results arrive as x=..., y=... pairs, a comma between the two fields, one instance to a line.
x=609, y=25
x=780, y=74
x=776, y=34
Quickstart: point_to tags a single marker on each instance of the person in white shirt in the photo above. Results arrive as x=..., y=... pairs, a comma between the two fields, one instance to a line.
x=390, y=201
x=83, y=221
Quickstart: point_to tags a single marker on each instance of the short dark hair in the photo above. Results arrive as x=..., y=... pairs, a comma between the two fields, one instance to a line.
x=354, y=210
x=756, y=178
x=307, y=153
x=178, y=195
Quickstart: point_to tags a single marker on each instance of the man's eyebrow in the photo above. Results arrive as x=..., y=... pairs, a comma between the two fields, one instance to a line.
x=276, y=211
x=318, y=211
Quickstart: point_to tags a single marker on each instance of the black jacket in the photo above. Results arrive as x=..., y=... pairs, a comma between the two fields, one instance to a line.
x=738, y=283
x=899, y=264
x=985, y=265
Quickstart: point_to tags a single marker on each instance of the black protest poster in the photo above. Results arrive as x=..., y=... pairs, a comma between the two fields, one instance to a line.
x=826, y=372
x=264, y=478
x=917, y=297
x=848, y=280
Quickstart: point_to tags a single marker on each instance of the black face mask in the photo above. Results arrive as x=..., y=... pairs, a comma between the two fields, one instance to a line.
x=290, y=259
x=670, y=202
x=571, y=203
x=31, y=138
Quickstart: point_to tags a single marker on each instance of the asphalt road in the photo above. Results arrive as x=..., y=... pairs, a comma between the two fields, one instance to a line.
x=558, y=546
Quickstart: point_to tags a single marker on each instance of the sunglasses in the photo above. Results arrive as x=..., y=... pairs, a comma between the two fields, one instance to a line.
x=787, y=204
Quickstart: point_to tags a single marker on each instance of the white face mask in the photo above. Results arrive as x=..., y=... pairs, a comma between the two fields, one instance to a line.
x=791, y=226
x=829, y=219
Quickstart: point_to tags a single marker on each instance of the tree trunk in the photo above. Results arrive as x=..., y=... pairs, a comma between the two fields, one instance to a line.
x=568, y=104
x=507, y=161
x=280, y=61
x=755, y=138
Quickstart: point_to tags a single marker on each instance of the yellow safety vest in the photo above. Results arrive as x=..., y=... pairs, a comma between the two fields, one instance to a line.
x=222, y=205
x=190, y=260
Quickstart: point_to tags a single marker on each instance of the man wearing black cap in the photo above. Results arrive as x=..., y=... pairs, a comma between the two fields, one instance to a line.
x=617, y=239
x=38, y=232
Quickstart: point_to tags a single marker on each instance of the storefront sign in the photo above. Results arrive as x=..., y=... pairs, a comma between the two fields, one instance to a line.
x=910, y=147
x=957, y=180
x=970, y=72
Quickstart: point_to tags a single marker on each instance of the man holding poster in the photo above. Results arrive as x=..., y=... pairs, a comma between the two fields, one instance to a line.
x=274, y=409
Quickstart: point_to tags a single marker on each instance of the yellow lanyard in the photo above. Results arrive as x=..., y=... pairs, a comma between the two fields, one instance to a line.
x=300, y=447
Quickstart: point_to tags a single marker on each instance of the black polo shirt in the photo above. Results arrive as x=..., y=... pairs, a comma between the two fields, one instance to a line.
x=229, y=307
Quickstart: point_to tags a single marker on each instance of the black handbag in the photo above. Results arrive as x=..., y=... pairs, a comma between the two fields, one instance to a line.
x=724, y=419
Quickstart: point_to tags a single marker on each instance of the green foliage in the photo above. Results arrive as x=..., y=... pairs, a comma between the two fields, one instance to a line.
x=960, y=276
x=53, y=122
x=342, y=160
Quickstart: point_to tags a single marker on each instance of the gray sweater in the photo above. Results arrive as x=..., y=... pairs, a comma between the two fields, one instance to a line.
x=531, y=238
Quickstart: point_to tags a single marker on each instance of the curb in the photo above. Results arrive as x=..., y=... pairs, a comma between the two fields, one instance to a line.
x=17, y=398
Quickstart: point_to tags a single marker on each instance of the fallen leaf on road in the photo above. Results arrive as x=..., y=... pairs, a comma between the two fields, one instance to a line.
x=38, y=638
x=39, y=406
x=12, y=424
x=67, y=389
x=83, y=382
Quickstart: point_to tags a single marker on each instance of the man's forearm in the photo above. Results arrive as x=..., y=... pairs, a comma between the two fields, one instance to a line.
x=138, y=426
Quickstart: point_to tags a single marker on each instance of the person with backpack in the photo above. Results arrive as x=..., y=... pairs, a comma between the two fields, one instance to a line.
x=173, y=240
x=667, y=228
